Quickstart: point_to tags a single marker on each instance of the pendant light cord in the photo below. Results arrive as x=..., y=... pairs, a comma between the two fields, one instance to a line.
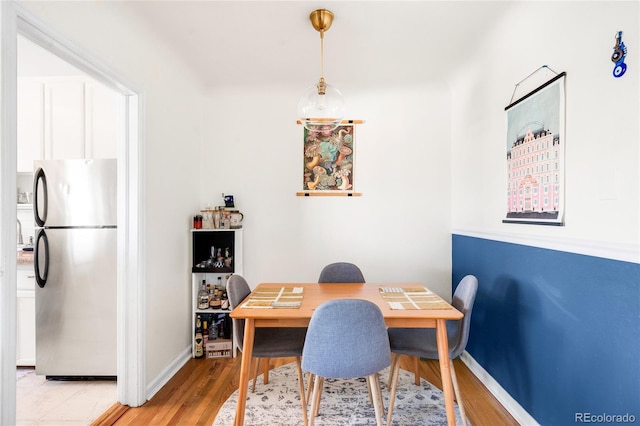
x=322, y=54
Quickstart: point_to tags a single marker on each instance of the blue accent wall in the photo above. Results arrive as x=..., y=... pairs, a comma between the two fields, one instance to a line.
x=559, y=331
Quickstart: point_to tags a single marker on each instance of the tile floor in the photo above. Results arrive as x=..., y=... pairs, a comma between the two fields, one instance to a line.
x=60, y=403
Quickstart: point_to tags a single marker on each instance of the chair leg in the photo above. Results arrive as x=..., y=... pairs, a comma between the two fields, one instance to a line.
x=416, y=370
x=317, y=387
x=256, y=366
x=394, y=360
x=303, y=401
x=456, y=390
x=393, y=377
x=377, y=397
x=370, y=385
x=380, y=393
x=265, y=371
x=319, y=380
x=310, y=387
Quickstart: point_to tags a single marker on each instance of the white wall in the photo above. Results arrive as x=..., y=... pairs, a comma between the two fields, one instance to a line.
x=427, y=161
x=602, y=133
x=172, y=136
x=397, y=231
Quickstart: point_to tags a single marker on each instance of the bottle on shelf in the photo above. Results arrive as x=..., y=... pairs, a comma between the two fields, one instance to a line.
x=213, y=331
x=198, y=339
x=221, y=328
x=215, y=302
x=203, y=297
x=224, y=303
x=205, y=332
x=211, y=293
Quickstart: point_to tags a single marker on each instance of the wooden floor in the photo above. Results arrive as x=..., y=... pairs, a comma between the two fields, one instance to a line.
x=196, y=393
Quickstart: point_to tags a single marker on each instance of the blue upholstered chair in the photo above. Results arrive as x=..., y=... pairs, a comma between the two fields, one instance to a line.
x=421, y=343
x=347, y=338
x=276, y=342
x=341, y=272
x=336, y=273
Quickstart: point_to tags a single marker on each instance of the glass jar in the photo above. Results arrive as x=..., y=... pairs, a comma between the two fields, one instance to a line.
x=197, y=221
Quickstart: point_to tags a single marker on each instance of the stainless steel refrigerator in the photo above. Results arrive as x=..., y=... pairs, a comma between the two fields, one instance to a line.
x=75, y=267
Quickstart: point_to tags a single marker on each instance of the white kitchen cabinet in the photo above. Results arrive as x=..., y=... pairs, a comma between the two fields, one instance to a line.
x=66, y=118
x=30, y=123
x=26, y=317
x=102, y=129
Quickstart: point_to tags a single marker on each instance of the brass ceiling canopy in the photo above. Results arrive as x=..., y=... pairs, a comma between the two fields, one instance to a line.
x=321, y=19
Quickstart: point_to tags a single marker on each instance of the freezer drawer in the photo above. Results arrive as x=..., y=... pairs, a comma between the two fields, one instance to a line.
x=76, y=305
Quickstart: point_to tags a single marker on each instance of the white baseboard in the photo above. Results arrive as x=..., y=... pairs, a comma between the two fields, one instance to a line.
x=165, y=375
x=507, y=401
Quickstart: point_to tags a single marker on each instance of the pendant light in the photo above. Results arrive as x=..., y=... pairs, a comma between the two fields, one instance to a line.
x=322, y=105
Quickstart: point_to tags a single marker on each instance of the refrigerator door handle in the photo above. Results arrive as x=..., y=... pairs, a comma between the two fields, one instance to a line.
x=39, y=176
x=41, y=279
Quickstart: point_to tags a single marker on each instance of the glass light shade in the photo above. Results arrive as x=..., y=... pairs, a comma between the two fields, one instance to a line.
x=315, y=109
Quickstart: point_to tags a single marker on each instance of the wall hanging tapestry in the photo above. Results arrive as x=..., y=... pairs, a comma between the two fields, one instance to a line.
x=328, y=160
x=535, y=155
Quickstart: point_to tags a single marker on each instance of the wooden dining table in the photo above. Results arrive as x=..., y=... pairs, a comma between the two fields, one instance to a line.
x=313, y=295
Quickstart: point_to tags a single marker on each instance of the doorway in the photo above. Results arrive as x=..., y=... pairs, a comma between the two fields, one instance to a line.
x=131, y=386
x=63, y=114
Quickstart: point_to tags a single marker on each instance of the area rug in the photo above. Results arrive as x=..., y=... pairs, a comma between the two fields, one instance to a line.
x=344, y=402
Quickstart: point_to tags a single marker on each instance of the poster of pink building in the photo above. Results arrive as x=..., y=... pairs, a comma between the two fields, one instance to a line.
x=535, y=156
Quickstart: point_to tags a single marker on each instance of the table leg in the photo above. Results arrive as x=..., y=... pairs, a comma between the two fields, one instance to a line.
x=245, y=370
x=445, y=371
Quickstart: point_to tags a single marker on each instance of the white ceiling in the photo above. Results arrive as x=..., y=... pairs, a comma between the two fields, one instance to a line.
x=370, y=43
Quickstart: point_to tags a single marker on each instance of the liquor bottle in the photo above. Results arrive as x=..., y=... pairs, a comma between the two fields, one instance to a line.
x=205, y=333
x=215, y=302
x=198, y=339
x=222, y=328
x=213, y=331
x=203, y=297
x=211, y=293
x=224, y=303
x=214, y=298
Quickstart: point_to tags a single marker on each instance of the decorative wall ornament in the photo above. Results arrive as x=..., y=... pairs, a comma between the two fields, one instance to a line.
x=328, y=160
x=535, y=155
x=618, y=56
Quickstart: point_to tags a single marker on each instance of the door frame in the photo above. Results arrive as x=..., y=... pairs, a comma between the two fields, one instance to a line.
x=131, y=383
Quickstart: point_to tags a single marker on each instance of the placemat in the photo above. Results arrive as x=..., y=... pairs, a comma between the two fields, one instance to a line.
x=412, y=298
x=279, y=297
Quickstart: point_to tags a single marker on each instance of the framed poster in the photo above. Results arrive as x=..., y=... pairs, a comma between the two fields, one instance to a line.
x=535, y=155
x=328, y=161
